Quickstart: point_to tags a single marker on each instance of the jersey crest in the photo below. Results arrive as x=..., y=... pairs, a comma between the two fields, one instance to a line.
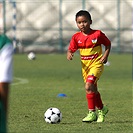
x=94, y=41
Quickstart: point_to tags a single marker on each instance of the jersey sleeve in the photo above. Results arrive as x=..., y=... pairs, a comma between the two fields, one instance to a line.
x=73, y=44
x=4, y=40
x=104, y=39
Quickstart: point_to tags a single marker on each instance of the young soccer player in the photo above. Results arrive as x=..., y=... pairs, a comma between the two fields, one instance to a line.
x=89, y=42
x=6, y=52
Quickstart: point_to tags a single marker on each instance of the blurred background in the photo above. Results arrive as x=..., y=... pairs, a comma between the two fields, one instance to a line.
x=46, y=26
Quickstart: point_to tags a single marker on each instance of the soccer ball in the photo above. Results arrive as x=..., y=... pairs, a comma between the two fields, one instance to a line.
x=31, y=56
x=53, y=115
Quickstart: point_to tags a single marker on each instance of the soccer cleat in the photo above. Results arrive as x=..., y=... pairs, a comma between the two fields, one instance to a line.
x=102, y=113
x=91, y=116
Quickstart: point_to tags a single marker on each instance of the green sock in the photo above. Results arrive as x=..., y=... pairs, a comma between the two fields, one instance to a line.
x=2, y=119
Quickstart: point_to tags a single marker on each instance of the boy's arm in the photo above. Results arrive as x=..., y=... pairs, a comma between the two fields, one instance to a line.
x=69, y=55
x=104, y=58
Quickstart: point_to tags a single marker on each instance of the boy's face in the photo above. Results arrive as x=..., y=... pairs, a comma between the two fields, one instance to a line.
x=83, y=24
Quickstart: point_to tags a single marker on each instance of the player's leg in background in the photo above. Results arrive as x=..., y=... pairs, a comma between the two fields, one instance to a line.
x=5, y=79
x=4, y=90
x=2, y=117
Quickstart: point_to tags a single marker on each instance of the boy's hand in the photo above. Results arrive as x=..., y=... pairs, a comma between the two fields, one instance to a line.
x=69, y=55
x=103, y=60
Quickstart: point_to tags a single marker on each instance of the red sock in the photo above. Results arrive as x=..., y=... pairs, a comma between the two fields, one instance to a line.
x=91, y=100
x=98, y=101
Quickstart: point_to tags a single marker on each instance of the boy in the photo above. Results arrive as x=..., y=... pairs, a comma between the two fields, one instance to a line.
x=6, y=52
x=89, y=42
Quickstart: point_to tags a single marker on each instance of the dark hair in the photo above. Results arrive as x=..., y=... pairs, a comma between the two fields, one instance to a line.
x=83, y=13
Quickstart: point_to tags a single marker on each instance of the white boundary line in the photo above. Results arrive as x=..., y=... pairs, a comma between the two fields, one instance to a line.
x=20, y=81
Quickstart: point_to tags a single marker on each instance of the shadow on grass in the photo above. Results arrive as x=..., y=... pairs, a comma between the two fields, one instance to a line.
x=111, y=122
x=106, y=122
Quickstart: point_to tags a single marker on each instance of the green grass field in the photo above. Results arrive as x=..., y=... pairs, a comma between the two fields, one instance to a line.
x=37, y=83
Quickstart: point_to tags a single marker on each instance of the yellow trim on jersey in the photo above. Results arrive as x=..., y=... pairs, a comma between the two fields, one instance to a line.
x=91, y=51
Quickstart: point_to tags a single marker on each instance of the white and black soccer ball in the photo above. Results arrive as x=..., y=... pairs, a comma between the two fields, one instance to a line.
x=31, y=56
x=53, y=115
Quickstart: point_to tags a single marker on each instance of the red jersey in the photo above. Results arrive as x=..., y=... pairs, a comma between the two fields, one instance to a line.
x=90, y=45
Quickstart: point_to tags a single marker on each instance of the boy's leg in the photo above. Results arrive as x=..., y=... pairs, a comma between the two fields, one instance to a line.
x=98, y=100
x=90, y=96
x=91, y=116
x=91, y=85
x=102, y=110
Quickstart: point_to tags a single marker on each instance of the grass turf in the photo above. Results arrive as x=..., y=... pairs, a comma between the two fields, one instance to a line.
x=36, y=86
